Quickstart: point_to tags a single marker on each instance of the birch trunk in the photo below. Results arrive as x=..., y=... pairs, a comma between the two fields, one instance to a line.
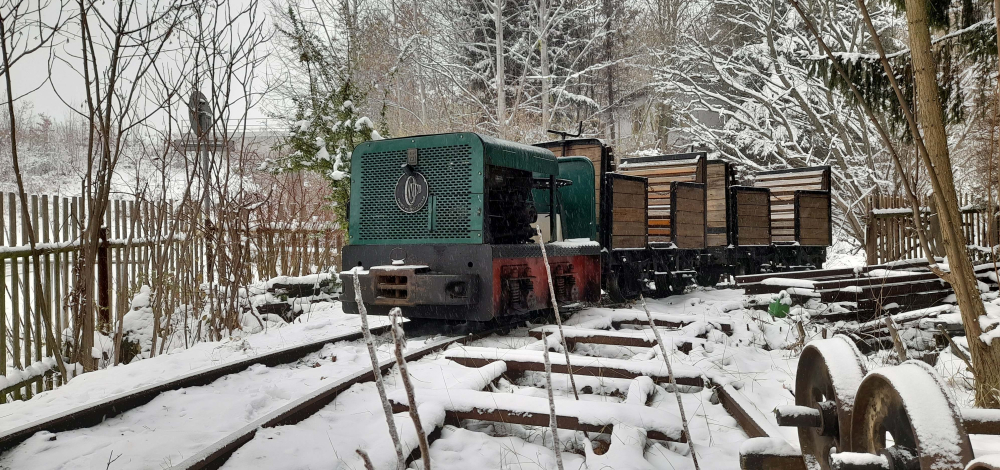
x=501, y=93
x=543, y=13
x=930, y=114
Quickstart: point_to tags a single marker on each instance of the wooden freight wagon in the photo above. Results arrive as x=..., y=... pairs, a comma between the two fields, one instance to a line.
x=664, y=173
x=786, y=185
x=750, y=216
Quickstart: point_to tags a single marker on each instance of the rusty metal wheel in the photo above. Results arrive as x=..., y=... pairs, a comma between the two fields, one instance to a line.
x=829, y=373
x=987, y=462
x=904, y=415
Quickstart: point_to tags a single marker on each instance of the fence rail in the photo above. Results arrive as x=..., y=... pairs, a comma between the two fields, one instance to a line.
x=892, y=236
x=139, y=240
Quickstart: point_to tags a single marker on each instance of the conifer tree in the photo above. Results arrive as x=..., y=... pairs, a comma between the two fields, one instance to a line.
x=327, y=124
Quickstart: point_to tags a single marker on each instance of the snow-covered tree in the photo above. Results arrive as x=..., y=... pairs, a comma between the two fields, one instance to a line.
x=327, y=123
x=742, y=85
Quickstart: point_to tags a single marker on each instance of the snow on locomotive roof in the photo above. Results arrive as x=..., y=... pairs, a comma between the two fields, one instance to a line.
x=495, y=151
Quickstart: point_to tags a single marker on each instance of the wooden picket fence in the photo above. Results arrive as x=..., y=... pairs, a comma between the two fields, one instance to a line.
x=282, y=239
x=891, y=235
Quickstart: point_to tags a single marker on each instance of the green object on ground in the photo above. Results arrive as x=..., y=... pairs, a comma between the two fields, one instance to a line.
x=778, y=309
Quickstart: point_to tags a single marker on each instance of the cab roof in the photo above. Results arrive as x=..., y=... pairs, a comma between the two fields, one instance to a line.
x=495, y=151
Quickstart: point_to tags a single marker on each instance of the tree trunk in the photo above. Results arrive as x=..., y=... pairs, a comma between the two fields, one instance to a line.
x=543, y=34
x=610, y=69
x=930, y=113
x=501, y=93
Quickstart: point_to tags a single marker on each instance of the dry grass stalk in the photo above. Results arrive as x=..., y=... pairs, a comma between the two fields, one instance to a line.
x=369, y=341
x=397, y=339
x=673, y=381
x=897, y=342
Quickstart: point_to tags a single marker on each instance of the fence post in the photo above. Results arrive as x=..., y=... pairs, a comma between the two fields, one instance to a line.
x=103, y=283
x=871, y=240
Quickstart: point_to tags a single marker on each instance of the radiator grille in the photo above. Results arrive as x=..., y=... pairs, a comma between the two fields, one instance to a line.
x=449, y=174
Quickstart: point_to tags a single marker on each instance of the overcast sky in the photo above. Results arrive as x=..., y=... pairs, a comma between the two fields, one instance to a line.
x=52, y=96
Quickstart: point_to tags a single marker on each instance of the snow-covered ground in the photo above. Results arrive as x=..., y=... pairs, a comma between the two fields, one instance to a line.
x=759, y=359
x=98, y=385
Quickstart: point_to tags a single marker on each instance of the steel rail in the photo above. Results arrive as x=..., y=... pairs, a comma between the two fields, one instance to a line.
x=215, y=455
x=91, y=414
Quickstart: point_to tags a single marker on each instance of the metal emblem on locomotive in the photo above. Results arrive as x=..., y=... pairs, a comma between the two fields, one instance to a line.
x=411, y=192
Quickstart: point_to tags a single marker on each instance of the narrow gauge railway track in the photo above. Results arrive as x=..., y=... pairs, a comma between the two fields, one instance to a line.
x=492, y=363
x=92, y=414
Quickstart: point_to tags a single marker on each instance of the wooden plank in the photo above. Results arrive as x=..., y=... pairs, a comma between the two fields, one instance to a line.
x=750, y=220
x=519, y=360
x=628, y=228
x=629, y=214
x=666, y=187
x=3, y=301
x=690, y=242
x=813, y=202
x=682, y=167
x=46, y=280
x=628, y=241
x=754, y=235
x=630, y=200
x=781, y=175
x=883, y=291
x=533, y=411
x=815, y=179
x=628, y=187
x=660, y=180
x=753, y=422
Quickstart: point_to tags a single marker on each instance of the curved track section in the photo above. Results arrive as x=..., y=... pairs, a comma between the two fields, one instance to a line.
x=94, y=413
x=215, y=455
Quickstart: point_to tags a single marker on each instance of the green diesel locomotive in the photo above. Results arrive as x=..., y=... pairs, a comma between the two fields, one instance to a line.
x=445, y=225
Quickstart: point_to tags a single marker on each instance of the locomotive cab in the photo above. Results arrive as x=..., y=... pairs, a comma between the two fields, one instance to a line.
x=444, y=226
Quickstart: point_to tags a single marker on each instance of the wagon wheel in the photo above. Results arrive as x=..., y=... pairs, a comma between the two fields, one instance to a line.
x=828, y=375
x=623, y=285
x=662, y=283
x=678, y=284
x=708, y=278
x=908, y=404
x=987, y=462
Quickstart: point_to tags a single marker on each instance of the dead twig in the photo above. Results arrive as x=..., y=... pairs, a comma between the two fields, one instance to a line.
x=397, y=339
x=673, y=381
x=369, y=341
x=897, y=342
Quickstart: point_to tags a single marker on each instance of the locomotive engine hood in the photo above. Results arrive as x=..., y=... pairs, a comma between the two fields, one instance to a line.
x=431, y=189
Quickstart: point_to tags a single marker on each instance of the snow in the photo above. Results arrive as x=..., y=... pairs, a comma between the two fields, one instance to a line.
x=394, y=267
x=594, y=413
x=101, y=384
x=839, y=351
x=177, y=424
x=788, y=282
x=15, y=376
x=935, y=429
x=575, y=243
x=863, y=459
x=655, y=368
x=309, y=279
x=769, y=446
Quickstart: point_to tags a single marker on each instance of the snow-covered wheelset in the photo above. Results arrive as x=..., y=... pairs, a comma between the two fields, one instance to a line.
x=892, y=418
x=445, y=225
